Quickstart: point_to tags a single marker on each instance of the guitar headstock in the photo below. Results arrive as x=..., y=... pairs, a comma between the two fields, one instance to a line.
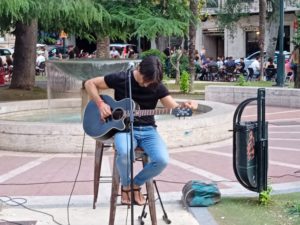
x=182, y=112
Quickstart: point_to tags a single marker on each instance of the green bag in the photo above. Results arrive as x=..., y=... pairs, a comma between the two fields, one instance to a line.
x=199, y=193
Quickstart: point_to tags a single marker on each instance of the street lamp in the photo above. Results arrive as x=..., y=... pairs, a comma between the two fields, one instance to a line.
x=281, y=59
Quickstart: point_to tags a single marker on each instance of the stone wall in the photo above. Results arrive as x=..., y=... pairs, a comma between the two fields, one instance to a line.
x=275, y=96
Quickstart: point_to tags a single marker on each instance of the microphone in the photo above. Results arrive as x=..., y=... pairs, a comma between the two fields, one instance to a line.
x=130, y=66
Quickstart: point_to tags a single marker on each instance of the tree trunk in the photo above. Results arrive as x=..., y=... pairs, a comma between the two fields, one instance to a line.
x=176, y=66
x=25, y=55
x=272, y=28
x=297, y=75
x=161, y=42
x=262, y=27
x=102, y=50
x=192, y=41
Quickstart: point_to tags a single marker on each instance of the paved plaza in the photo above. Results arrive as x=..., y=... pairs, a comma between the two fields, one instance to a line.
x=46, y=180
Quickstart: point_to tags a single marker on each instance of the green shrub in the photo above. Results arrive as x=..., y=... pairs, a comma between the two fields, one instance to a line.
x=154, y=52
x=183, y=63
x=265, y=196
x=242, y=81
x=184, y=81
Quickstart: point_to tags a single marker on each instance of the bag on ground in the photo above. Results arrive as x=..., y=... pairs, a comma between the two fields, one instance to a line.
x=201, y=194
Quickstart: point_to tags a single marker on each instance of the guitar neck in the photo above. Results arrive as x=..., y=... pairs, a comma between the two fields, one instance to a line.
x=150, y=112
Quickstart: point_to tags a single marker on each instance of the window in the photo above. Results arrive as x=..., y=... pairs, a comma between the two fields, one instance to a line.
x=251, y=42
x=212, y=3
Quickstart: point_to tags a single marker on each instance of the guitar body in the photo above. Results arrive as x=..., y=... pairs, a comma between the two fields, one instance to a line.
x=102, y=130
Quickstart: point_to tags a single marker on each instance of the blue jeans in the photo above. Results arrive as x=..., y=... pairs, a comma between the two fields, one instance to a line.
x=149, y=139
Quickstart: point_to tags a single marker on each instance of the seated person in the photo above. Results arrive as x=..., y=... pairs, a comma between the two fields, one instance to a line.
x=114, y=53
x=270, y=69
x=39, y=60
x=270, y=64
x=255, y=66
x=131, y=53
x=230, y=62
x=213, y=69
x=240, y=68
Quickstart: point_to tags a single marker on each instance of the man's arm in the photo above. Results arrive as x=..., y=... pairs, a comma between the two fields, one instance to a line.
x=170, y=103
x=92, y=87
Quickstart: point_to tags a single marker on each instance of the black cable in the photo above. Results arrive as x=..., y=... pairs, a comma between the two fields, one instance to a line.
x=53, y=182
x=284, y=175
x=109, y=181
x=79, y=167
x=10, y=199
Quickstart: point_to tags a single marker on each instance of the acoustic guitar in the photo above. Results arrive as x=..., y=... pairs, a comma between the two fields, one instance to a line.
x=102, y=130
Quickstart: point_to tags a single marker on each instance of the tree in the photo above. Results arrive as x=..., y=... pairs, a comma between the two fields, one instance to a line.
x=149, y=19
x=85, y=18
x=21, y=17
x=261, y=39
x=192, y=39
x=272, y=27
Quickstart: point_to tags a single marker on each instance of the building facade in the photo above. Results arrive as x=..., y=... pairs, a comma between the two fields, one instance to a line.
x=243, y=41
x=7, y=41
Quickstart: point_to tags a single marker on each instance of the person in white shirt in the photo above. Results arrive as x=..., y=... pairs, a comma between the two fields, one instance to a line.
x=255, y=65
x=114, y=53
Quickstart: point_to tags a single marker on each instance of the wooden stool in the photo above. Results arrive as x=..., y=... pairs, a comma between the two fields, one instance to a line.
x=97, y=167
x=139, y=156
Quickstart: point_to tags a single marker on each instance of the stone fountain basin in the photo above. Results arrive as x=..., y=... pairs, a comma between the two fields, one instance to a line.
x=211, y=125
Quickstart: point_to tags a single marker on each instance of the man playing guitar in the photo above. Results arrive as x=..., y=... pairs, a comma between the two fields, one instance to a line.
x=147, y=89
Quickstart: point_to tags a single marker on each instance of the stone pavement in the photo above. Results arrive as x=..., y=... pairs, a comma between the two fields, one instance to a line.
x=45, y=180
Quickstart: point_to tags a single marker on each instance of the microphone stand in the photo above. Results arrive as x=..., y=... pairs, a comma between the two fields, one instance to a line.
x=131, y=119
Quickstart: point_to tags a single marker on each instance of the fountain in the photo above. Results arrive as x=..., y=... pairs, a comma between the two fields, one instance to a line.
x=38, y=126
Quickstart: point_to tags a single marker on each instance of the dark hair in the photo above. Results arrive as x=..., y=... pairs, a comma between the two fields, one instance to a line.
x=151, y=69
x=270, y=60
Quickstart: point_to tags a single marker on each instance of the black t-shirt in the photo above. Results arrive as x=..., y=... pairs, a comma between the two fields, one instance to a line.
x=242, y=64
x=145, y=97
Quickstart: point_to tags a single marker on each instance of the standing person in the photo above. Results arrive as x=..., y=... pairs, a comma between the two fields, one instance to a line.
x=203, y=56
x=71, y=52
x=293, y=63
x=167, y=52
x=2, y=73
x=147, y=89
x=10, y=66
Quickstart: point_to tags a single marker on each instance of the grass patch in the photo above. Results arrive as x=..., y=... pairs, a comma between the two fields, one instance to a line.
x=7, y=94
x=282, y=210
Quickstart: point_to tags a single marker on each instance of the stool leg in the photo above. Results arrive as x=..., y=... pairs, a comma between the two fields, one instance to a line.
x=150, y=196
x=114, y=192
x=151, y=201
x=97, y=170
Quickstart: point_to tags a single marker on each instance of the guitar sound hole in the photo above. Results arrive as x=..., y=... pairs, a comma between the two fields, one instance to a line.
x=117, y=114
